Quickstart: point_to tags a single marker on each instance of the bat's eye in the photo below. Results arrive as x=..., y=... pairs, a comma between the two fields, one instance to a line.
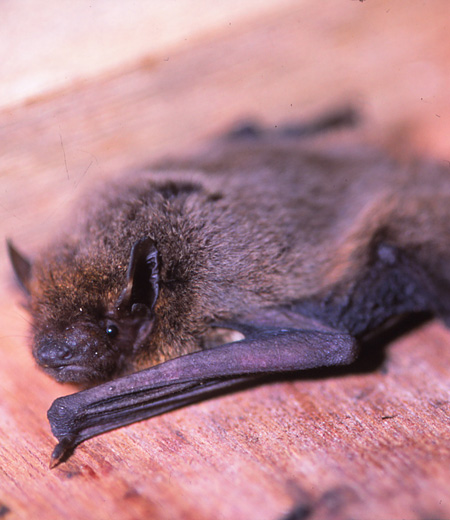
x=111, y=330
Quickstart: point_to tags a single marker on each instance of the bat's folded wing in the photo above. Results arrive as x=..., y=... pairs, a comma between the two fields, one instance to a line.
x=264, y=350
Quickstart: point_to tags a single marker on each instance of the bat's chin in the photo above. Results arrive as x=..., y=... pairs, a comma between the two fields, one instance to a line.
x=77, y=374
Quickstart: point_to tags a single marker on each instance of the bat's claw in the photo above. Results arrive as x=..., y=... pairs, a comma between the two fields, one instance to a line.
x=62, y=450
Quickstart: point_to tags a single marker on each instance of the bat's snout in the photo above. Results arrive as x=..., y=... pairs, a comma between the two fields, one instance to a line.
x=76, y=354
x=53, y=355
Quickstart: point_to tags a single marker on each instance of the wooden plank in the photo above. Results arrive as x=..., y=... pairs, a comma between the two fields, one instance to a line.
x=46, y=49
x=372, y=442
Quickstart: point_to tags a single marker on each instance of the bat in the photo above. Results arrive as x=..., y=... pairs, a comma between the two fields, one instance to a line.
x=268, y=252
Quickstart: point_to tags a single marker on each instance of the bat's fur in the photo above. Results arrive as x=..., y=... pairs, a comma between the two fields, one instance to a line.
x=251, y=223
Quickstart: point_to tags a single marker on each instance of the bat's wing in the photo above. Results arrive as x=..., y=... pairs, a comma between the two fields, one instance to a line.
x=293, y=343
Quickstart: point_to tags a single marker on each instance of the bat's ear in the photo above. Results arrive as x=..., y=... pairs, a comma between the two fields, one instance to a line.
x=141, y=291
x=21, y=266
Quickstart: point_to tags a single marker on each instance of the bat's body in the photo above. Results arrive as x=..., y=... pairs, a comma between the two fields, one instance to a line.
x=304, y=249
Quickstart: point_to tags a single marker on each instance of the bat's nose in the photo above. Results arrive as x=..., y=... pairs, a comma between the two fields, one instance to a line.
x=53, y=355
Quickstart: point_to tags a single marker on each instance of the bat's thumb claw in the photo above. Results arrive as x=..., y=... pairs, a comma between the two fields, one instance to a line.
x=62, y=450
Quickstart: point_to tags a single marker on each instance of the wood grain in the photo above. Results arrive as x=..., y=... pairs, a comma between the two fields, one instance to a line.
x=369, y=443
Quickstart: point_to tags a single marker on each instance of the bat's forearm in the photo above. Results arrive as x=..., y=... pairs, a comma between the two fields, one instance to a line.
x=184, y=380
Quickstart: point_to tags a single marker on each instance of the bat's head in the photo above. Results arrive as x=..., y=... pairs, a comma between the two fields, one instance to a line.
x=89, y=320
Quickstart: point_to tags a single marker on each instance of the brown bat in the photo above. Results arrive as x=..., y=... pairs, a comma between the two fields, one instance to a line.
x=304, y=248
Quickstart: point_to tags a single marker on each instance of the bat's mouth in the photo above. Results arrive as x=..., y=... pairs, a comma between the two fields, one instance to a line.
x=75, y=374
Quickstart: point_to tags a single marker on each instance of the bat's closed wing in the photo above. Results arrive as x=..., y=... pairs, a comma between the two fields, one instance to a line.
x=265, y=349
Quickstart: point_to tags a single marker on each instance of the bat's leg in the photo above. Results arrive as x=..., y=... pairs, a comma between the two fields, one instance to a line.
x=328, y=121
x=331, y=120
x=186, y=379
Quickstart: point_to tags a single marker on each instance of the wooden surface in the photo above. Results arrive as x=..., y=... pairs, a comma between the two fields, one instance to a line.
x=370, y=443
x=61, y=42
